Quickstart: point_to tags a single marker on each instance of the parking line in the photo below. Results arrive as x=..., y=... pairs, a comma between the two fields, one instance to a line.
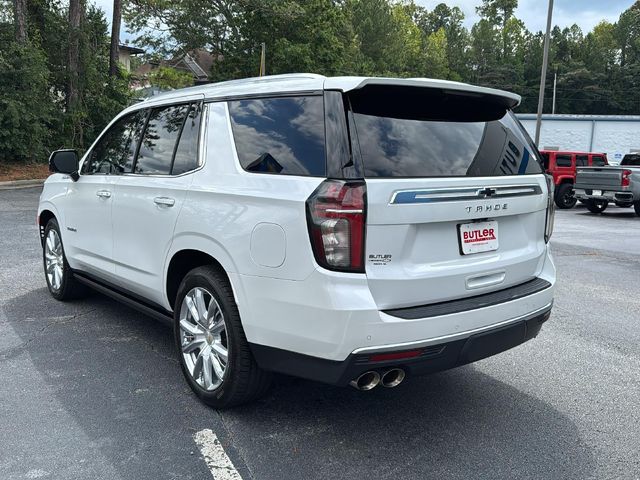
x=217, y=460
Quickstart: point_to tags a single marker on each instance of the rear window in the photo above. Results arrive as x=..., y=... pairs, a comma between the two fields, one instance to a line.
x=404, y=142
x=598, y=161
x=280, y=135
x=631, y=160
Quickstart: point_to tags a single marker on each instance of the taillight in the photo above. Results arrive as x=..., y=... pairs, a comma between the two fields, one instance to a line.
x=336, y=219
x=551, y=209
x=626, y=181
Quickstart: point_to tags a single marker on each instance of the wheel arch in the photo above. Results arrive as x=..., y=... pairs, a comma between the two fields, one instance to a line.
x=44, y=216
x=192, y=252
x=565, y=180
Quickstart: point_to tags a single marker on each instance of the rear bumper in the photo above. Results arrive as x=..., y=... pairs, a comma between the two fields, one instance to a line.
x=610, y=196
x=331, y=316
x=434, y=356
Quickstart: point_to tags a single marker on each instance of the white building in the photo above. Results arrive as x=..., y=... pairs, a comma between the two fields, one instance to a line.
x=614, y=135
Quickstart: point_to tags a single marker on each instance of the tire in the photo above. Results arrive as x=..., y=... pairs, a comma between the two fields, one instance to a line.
x=636, y=207
x=564, y=196
x=597, y=206
x=60, y=280
x=203, y=344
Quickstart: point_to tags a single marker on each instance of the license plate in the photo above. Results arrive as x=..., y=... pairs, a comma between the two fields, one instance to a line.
x=478, y=237
x=597, y=193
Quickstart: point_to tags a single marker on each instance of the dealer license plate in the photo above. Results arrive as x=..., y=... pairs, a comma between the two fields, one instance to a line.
x=478, y=237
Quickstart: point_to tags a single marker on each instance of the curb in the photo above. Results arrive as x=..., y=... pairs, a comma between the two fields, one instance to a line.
x=15, y=184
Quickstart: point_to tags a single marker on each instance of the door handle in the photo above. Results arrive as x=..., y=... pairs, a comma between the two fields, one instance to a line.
x=164, y=201
x=103, y=193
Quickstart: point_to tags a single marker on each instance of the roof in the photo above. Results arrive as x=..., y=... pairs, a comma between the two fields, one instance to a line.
x=132, y=50
x=570, y=152
x=583, y=118
x=309, y=82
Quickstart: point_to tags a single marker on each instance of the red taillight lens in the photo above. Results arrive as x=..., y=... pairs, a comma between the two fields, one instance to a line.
x=551, y=209
x=626, y=181
x=336, y=217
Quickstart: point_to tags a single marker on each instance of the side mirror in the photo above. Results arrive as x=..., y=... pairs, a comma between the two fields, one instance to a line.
x=65, y=161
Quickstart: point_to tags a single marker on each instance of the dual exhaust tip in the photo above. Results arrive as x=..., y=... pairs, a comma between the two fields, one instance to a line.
x=371, y=379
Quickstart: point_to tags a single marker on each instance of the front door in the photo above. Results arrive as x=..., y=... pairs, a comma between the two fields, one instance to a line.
x=89, y=201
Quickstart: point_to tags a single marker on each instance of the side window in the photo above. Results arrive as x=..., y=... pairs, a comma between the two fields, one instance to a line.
x=598, y=161
x=280, y=135
x=159, y=140
x=581, y=160
x=114, y=152
x=563, y=160
x=186, y=157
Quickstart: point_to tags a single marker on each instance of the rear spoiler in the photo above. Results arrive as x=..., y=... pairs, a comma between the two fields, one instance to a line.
x=505, y=99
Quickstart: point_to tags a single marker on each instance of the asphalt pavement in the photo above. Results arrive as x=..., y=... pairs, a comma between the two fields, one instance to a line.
x=93, y=389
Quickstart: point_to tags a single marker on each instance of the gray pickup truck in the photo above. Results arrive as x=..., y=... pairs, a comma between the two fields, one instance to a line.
x=597, y=186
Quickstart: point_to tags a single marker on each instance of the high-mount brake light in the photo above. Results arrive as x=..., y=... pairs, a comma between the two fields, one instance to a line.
x=626, y=181
x=551, y=211
x=336, y=213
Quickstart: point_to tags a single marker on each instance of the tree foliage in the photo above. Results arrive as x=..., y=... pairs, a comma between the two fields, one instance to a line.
x=38, y=113
x=597, y=71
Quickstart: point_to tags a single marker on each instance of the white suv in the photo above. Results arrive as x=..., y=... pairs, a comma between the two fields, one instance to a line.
x=347, y=230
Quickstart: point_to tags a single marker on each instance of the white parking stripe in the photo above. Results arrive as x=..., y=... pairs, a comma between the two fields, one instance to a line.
x=217, y=460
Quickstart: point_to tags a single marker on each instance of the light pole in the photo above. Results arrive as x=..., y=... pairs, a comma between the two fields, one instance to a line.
x=555, y=81
x=543, y=75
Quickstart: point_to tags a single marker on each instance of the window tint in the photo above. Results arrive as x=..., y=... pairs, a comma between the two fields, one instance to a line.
x=631, y=160
x=563, y=160
x=598, y=161
x=280, y=135
x=396, y=146
x=582, y=160
x=159, y=140
x=186, y=157
x=114, y=152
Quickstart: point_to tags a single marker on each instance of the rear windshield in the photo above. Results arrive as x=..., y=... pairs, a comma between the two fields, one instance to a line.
x=416, y=145
x=631, y=160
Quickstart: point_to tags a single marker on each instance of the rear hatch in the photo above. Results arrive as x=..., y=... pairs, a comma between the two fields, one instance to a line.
x=456, y=196
x=599, y=178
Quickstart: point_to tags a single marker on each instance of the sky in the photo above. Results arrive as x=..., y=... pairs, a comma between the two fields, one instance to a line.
x=586, y=13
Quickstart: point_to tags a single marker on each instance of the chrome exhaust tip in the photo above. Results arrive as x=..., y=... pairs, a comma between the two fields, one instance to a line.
x=366, y=381
x=392, y=378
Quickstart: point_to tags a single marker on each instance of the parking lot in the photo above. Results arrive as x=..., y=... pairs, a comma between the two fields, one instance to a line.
x=93, y=389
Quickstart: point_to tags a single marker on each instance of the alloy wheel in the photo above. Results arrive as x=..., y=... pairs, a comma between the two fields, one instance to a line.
x=203, y=338
x=54, y=259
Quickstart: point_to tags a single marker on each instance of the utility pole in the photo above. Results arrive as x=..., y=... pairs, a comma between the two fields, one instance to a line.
x=543, y=75
x=262, y=60
x=553, y=104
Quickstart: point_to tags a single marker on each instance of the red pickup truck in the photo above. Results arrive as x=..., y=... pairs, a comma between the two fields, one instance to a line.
x=562, y=165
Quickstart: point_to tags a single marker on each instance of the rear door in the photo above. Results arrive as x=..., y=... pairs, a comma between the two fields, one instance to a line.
x=565, y=166
x=148, y=200
x=456, y=197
